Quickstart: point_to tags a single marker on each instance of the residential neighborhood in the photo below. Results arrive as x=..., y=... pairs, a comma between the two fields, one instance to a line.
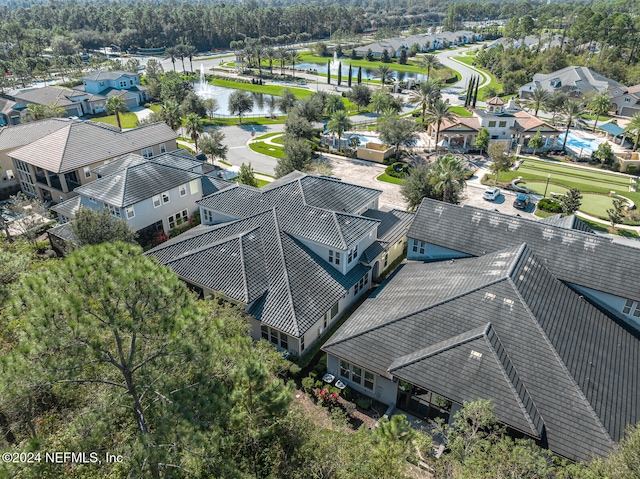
x=348, y=241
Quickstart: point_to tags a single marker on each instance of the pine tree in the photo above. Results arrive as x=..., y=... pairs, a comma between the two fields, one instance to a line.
x=246, y=175
x=329, y=72
x=349, y=76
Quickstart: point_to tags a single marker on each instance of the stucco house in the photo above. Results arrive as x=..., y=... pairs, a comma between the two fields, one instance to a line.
x=532, y=315
x=52, y=166
x=427, y=42
x=9, y=114
x=116, y=82
x=505, y=122
x=296, y=253
x=627, y=102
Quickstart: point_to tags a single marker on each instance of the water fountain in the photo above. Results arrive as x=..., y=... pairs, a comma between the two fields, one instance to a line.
x=204, y=89
x=335, y=62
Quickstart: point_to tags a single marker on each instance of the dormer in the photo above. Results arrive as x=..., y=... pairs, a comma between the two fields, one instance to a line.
x=555, y=83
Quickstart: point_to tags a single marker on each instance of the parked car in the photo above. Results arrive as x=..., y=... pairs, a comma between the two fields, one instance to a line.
x=490, y=194
x=521, y=202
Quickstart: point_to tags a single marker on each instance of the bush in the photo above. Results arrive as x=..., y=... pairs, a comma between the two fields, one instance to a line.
x=346, y=393
x=363, y=403
x=294, y=370
x=631, y=169
x=550, y=205
x=307, y=383
x=397, y=170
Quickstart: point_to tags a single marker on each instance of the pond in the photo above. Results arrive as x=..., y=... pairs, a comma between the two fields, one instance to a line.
x=367, y=73
x=263, y=104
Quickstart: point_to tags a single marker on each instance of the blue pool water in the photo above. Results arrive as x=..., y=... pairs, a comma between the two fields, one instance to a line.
x=581, y=146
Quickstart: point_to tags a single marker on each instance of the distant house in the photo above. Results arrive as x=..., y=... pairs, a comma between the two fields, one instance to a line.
x=52, y=166
x=427, y=42
x=528, y=314
x=505, y=122
x=16, y=137
x=151, y=195
x=296, y=253
x=117, y=82
x=574, y=81
x=9, y=114
x=627, y=103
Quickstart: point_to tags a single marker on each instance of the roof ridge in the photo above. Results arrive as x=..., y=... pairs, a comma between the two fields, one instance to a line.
x=405, y=316
x=285, y=272
x=244, y=269
x=66, y=142
x=335, y=221
x=554, y=352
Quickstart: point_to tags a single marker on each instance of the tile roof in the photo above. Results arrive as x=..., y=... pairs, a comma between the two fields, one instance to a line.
x=528, y=122
x=581, y=78
x=136, y=183
x=571, y=222
x=83, y=143
x=48, y=95
x=25, y=133
x=284, y=284
x=576, y=256
x=501, y=326
x=67, y=208
x=108, y=75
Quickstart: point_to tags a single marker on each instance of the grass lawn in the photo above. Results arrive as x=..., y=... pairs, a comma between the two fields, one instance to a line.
x=389, y=179
x=262, y=183
x=596, y=205
x=601, y=177
x=155, y=107
x=279, y=140
x=267, y=135
x=460, y=110
x=245, y=121
x=127, y=119
x=269, y=150
x=275, y=90
x=605, y=229
x=468, y=60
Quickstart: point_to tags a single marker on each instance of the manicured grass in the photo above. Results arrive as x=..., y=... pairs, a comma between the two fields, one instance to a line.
x=538, y=187
x=262, y=183
x=245, y=121
x=468, y=60
x=127, y=120
x=154, y=107
x=269, y=150
x=595, y=226
x=279, y=140
x=275, y=90
x=459, y=110
x=389, y=179
x=576, y=172
x=543, y=214
x=596, y=205
x=267, y=135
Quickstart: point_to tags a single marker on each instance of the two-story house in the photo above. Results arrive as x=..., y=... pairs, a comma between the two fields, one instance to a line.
x=116, y=82
x=297, y=253
x=51, y=167
x=541, y=317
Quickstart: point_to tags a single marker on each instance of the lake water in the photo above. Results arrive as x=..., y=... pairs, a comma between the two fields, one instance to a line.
x=263, y=104
x=367, y=73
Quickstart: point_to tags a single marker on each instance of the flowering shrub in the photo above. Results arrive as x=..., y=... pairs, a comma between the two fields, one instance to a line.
x=326, y=397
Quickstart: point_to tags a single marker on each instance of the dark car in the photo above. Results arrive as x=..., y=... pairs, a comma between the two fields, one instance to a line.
x=521, y=202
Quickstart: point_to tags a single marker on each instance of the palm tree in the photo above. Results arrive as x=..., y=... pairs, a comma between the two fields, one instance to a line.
x=448, y=177
x=429, y=61
x=384, y=73
x=438, y=113
x=294, y=57
x=572, y=113
x=283, y=56
x=193, y=124
x=191, y=52
x=556, y=100
x=270, y=54
x=539, y=99
x=426, y=94
x=634, y=127
x=339, y=123
x=170, y=114
x=34, y=112
x=599, y=104
x=334, y=104
x=171, y=53
x=116, y=105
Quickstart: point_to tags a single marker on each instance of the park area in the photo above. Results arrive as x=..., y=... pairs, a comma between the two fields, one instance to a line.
x=595, y=185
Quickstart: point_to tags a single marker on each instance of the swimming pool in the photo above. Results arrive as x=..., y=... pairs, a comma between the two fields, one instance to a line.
x=374, y=139
x=579, y=145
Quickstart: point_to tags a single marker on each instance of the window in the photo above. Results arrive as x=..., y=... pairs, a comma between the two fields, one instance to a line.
x=147, y=152
x=130, y=212
x=207, y=215
x=345, y=369
x=101, y=83
x=350, y=257
x=274, y=336
x=414, y=248
x=301, y=343
x=163, y=148
x=115, y=212
x=130, y=82
x=334, y=310
x=178, y=218
x=183, y=189
x=194, y=187
x=357, y=374
x=627, y=307
x=385, y=258
x=355, y=252
x=165, y=197
x=264, y=331
x=368, y=380
x=417, y=245
x=502, y=124
x=355, y=289
x=330, y=256
x=337, y=255
x=156, y=201
x=362, y=283
x=636, y=313
x=366, y=278
x=284, y=341
x=492, y=124
x=87, y=172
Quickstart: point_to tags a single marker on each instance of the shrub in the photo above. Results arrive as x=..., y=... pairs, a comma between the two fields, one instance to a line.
x=550, y=205
x=631, y=169
x=397, y=170
x=319, y=384
x=294, y=370
x=307, y=383
x=326, y=397
x=363, y=403
x=346, y=393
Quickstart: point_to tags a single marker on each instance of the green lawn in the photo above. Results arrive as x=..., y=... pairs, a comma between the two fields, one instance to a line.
x=460, y=110
x=127, y=120
x=269, y=150
x=268, y=89
x=267, y=135
x=468, y=60
x=605, y=229
x=389, y=179
x=596, y=205
x=155, y=107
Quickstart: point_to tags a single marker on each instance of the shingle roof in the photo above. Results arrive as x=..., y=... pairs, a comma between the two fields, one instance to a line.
x=25, y=133
x=84, y=143
x=68, y=208
x=48, y=95
x=136, y=183
x=577, y=365
x=581, y=78
x=573, y=256
x=308, y=206
x=252, y=260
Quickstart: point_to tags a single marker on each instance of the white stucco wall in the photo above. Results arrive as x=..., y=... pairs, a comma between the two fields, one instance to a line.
x=433, y=253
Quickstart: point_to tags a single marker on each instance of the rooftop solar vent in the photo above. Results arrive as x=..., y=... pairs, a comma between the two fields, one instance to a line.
x=475, y=355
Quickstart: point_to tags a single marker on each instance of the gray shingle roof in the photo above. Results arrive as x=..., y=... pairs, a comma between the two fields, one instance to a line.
x=573, y=256
x=578, y=365
x=25, y=133
x=119, y=164
x=67, y=208
x=48, y=95
x=136, y=183
x=84, y=143
x=252, y=260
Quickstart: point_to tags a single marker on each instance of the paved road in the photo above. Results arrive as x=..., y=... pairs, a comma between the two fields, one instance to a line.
x=236, y=138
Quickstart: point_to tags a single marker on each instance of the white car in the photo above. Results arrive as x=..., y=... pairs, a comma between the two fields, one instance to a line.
x=491, y=194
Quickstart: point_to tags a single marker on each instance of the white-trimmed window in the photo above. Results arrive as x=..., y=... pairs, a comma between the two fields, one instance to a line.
x=183, y=189
x=302, y=343
x=130, y=212
x=165, y=197
x=163, y=148
x=264, y=332
x=87, y=172
x=147, y=152
x=194, y=187
x=355, y=289
x=345, y=369
x=115, y=212
x=368, y=380
x=502, y=124
x=357, y=375
x=178, y=218
x=330, y=256
x=337, y=256
x=418, y=245
x=350, y=256
x=492, y=124
x=156, y=201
